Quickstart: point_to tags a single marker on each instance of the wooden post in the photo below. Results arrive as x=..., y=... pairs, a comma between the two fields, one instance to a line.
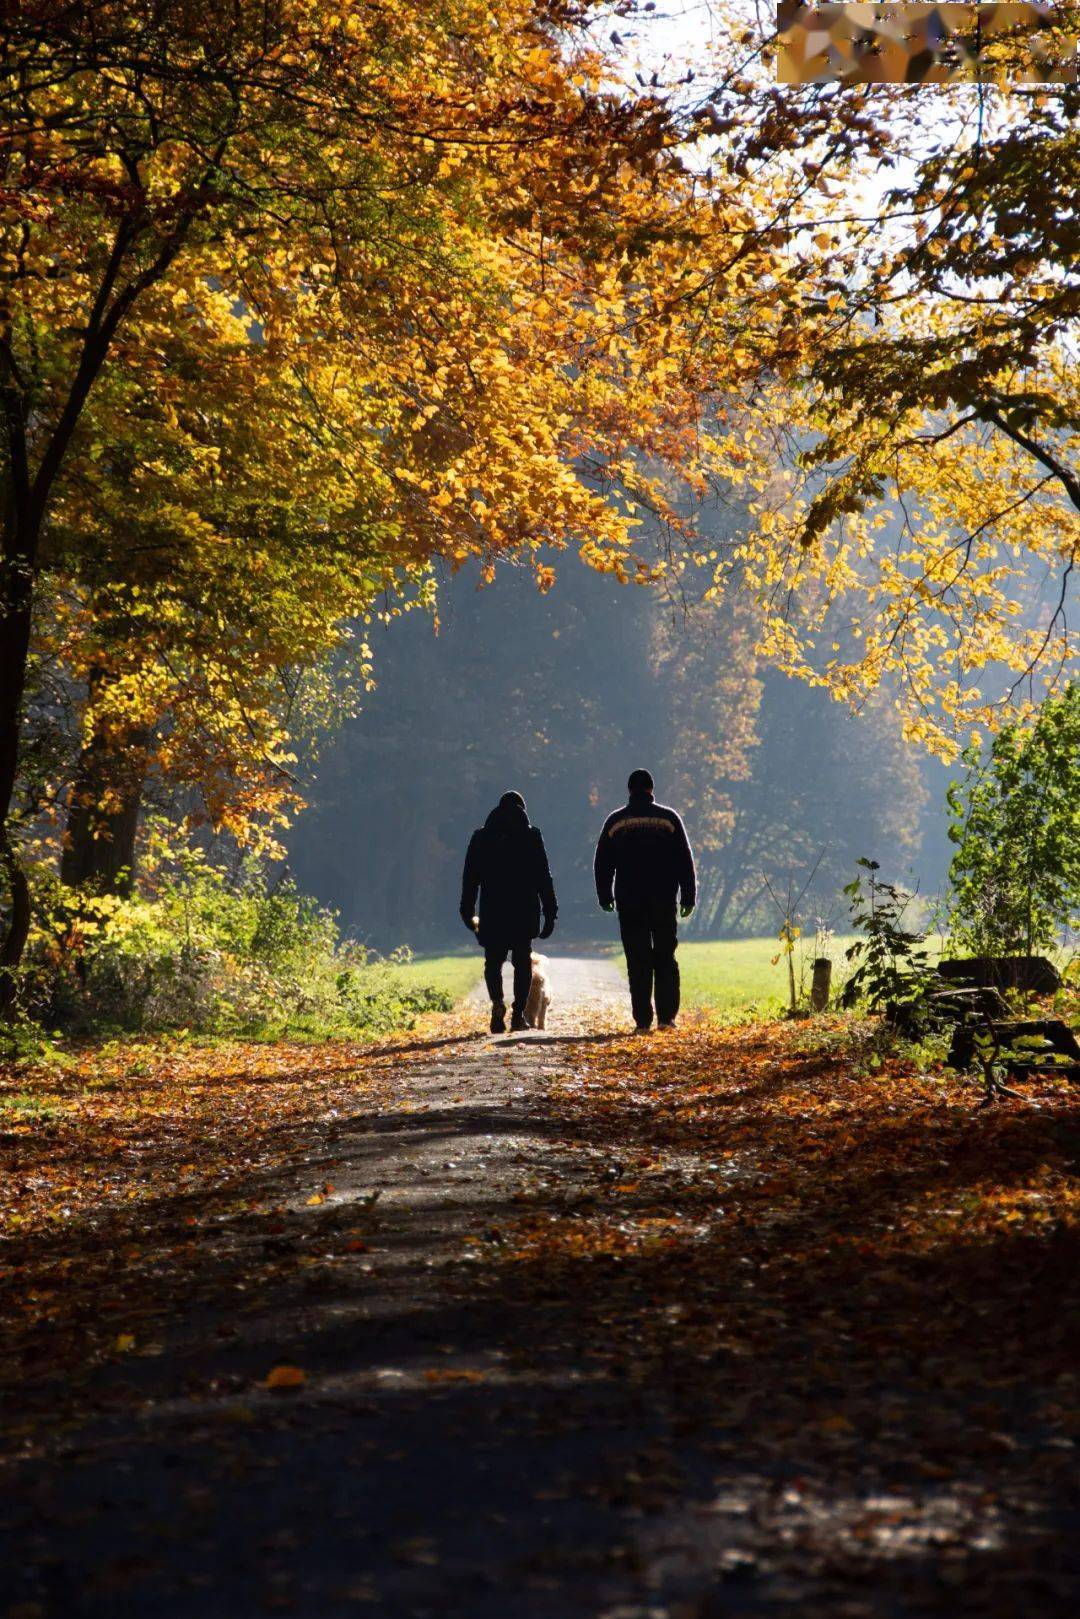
x=820, y=985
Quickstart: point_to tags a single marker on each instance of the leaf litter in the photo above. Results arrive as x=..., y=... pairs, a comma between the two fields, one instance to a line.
x=822, y=1321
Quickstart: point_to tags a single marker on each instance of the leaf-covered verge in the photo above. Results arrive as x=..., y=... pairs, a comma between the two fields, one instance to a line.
x=100, y=1148
x=871, y=1202
x=831, y=1263
x=886, y=1160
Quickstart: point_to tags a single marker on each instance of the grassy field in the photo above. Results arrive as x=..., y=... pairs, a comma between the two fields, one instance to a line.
x=733, y=975
x=455, y=974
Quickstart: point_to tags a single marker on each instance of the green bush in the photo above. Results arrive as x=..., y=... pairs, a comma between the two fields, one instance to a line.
x=1015, y=876
x=197, y=949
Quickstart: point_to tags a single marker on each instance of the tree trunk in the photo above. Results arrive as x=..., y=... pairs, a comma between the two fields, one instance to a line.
x=103, y=811
x=15, y=603
x=21, y=531
x=99, y=842
x=99, y=845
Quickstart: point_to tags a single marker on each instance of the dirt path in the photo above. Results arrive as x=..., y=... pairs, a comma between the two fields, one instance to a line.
x=585, y=990
x=472, y=1439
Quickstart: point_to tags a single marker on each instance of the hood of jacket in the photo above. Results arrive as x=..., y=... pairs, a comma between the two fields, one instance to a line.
x=508, y=816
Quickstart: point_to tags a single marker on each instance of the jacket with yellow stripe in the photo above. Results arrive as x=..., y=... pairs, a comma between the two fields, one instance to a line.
x=643, y=857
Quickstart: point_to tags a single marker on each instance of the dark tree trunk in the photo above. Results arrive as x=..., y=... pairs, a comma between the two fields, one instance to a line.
x=21, y=531
x=15, y=605
x=99, y=843
x=103, y=811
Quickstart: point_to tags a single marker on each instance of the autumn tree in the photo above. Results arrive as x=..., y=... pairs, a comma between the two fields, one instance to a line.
x=205, y=559
x=145, y=150
x=464, y=241
x=916, y=409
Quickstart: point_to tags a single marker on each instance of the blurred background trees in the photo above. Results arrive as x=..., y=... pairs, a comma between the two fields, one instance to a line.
x=559, y=697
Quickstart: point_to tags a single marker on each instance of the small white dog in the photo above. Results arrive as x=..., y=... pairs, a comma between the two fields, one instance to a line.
x=536, y=1007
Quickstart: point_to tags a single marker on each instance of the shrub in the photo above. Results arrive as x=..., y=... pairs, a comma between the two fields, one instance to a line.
x=891, y=971
x=197, y=949
x=1015, y=875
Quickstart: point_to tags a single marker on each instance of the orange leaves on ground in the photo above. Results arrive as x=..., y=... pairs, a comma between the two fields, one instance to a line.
x=285, y=1378
x=139, y=1120
x=810, y=1234
x=125, y=1157
x=814, y=1120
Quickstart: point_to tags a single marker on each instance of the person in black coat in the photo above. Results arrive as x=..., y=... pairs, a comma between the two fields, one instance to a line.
x=644, y=868
x=507, y=866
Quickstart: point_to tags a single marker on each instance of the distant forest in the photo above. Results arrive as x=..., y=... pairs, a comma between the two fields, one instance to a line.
x=559, y=696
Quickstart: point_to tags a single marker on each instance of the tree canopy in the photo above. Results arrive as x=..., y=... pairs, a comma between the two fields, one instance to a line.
x=425, y=263
x=293, y=309
x=919, y=404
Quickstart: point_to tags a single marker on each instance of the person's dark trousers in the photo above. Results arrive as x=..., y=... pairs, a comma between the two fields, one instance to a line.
x=520, y=953
x=650, y=938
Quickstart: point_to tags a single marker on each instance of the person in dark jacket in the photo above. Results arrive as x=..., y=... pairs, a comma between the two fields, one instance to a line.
x=644, y=868
x=507, y=866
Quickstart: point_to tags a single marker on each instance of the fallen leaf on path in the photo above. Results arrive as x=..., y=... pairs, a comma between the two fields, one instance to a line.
x=286, y=1377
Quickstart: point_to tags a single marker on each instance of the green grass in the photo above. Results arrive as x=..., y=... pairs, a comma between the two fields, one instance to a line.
x=737, y=975
x=454, y=975
x=734, y=975
x=729, y=975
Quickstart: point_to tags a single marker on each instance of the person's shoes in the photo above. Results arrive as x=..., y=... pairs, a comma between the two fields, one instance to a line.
x=642, y=1028
x=517, y=1022
x=666, y=1023
x=498, y=1017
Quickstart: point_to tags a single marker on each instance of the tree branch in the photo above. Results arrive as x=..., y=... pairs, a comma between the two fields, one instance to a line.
x=1069, y=480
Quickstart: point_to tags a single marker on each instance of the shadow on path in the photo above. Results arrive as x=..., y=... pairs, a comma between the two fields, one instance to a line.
x=534, y=1037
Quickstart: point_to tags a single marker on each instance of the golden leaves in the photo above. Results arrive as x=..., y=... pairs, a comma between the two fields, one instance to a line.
x=390, y=332
x=490, y=311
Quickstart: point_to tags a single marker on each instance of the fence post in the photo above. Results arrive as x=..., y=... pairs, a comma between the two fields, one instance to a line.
x=822, y=980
